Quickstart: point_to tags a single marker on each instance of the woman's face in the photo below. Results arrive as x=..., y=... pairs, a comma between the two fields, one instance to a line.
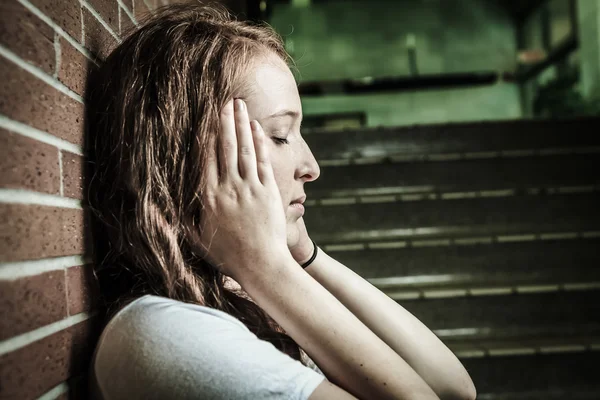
x=273, y=99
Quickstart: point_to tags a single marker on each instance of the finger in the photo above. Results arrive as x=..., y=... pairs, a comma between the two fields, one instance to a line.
x=263, y=162
x=246, y=152
x=228, y=144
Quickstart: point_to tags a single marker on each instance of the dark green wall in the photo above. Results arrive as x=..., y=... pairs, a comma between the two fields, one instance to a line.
x=354, y=39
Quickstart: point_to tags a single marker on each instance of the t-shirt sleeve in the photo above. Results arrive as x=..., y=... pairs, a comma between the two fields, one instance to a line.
x=159, y=349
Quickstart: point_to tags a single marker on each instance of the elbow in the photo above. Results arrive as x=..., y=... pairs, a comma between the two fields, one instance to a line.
x=472, y=395
x=457, y=388
x=463, y=387
x=466, y=391
x=469, y=393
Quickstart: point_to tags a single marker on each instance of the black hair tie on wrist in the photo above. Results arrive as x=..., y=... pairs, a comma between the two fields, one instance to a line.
x=306, y=264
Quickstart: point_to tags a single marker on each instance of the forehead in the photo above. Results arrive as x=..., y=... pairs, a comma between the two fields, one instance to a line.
x=271, y=88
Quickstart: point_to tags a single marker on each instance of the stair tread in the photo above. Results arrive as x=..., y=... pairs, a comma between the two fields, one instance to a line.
x=482, y=136
x=517, y=312
x=464, y=217
x=487, y=232
x=588, y=332
x=477, y=265
x=467, y=175
x=538, y=344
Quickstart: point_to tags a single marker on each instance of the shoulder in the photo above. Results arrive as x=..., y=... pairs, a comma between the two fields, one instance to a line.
x=157, y=347
x=155, y=313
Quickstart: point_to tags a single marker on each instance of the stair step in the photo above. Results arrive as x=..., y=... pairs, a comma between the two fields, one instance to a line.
x=540, y=312
x=489, y=290
x=572, y=393
x=460, y=138
x=524, y=346
x=498, y=265
x=487, y=232
x=459, y=176
x=572, y=376
x=508, y=218
x=586, y=334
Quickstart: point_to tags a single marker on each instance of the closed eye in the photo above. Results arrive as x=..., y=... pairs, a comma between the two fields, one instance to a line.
x=280, y=140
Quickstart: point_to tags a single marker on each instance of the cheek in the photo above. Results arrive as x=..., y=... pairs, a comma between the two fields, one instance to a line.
x=284, y=175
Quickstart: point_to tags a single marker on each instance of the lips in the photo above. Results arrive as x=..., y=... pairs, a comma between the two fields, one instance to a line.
x=298, y=206
x=299, y=200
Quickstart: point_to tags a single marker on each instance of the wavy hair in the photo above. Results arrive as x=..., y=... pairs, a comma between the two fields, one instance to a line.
x=153, y=111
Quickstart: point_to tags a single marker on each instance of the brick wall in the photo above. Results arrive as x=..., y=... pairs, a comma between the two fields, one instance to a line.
x=49, y=321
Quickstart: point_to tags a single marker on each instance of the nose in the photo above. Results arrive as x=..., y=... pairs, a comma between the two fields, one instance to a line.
x=308, y=168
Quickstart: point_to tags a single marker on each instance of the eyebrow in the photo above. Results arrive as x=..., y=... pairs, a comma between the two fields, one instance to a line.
x=285, y=113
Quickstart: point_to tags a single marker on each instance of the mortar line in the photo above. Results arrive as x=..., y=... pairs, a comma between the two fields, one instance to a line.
x=82, y=24
x=39, y=135
x=38, y=73
x=148, y=5
x=57, y=55
x=98, y=17
x=11, y=271
x=35, y=11
x=25, y=339
x=60, y=170
x=127, y=11
x=27, y=197
x=55, y=392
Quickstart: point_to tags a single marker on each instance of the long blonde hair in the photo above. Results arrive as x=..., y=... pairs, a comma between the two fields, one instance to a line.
x=153, y=111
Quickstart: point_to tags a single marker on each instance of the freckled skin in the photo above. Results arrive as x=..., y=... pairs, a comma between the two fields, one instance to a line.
x=272, y=88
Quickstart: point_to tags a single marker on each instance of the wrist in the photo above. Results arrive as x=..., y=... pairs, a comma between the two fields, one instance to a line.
x=312, y=257
x=303, y=252
x=319, y=254
x=267, y=270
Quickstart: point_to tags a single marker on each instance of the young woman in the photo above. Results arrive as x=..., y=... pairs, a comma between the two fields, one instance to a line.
x=213, y=285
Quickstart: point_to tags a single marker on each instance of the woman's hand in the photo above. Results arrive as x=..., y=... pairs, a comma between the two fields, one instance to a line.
x=243, y=223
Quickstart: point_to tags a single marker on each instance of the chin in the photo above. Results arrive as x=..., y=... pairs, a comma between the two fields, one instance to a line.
x=291, y=218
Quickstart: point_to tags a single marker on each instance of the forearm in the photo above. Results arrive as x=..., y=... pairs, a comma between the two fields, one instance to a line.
x=348, y=352
x=404, y=333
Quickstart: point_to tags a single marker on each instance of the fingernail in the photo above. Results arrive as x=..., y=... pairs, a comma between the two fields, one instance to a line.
x=253, y=126
x=239, y=105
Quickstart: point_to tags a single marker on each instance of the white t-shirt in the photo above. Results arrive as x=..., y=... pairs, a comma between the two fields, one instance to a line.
x=159, y=348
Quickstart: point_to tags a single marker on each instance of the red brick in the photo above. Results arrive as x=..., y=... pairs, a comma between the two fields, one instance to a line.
x=127, y=24
x=74, y=67
x=29, y=232
x=109, y=11
x=27, y=36
x=31, y=302
x=140, y=10
x=65, y=13
x=27, y=99
x=97, y=39
x=83, y=289
x=72, y=166
x=28, y=164
x=129, y=4
x=31, y=371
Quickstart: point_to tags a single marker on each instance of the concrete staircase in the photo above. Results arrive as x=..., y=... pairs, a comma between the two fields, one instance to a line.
x=488, y=232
